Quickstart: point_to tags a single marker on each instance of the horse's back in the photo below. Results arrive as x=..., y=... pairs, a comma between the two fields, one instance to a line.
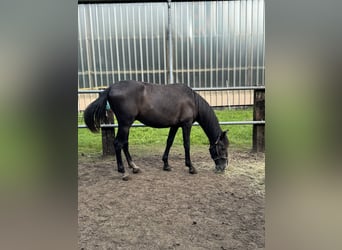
x=170, y=96
x=167, y=105
x=125, y=88
x=136, y=89
x=152, y=104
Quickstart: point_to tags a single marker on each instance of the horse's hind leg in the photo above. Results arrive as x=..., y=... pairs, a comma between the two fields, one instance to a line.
x=170, y=139
x=120, y=141
x=121, y=168
x=130, y=162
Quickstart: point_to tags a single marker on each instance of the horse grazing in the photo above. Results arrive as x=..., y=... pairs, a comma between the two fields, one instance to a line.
x=158, y=106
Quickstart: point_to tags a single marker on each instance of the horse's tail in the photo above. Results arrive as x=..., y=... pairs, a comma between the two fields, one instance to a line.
x=95, y=113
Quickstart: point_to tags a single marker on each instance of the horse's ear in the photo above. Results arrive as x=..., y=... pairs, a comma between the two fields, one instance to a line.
x=223, y=134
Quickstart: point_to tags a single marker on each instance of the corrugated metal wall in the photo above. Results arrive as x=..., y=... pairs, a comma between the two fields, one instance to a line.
x=214, y=44
x=120, y=42
x=219, y=44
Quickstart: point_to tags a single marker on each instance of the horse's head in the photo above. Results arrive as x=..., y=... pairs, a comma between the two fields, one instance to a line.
x=219, y=151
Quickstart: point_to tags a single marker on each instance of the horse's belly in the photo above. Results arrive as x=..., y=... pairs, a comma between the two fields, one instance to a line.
x=165, y=111
x=157, y=121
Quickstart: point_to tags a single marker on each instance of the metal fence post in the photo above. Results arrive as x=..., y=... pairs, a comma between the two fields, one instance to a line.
x=259, y=115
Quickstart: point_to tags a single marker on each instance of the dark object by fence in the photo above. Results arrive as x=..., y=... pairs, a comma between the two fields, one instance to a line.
x=259, y=115
x=108, y=135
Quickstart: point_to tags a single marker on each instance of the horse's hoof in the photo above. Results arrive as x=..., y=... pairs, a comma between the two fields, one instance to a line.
x=125, y=177
x=193, y=171
x=136, y=170
x=167, y=168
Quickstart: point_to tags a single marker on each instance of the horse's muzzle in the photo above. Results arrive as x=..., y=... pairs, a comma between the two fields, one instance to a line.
x=220, y=168
x=220, y=165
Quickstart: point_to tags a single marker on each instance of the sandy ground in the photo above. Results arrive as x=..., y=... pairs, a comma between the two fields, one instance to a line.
x=156, y=209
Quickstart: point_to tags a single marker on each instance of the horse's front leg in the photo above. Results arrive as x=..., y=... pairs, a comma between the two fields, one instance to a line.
x=186, y=142
x=170, y=139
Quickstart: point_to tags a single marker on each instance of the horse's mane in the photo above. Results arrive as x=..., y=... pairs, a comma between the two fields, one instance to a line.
x=207, y=118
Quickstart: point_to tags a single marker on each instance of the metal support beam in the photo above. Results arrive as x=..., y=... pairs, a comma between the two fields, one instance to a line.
x=170, y=41
x=94, y=91
x=195, y=124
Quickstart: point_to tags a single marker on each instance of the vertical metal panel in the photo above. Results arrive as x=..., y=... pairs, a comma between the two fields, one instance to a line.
x=152, y=44
x=105, y=45
x=251, y=45
x=158, y=50
x=257, y=44
x=92, y=47
x=116, y=44
x=140, y=46
x=187, y=45
x=173, y=43
x=145, y=51
x=122, y=43
x=98, y=43
x=128, y=43
x=164, y=50
x=199, y=49
x=135, y=41
x=88, y=60
x=239, y=37
x=234, y=43
x=247, y=44
x=111, y=44
x=81, y=51
x=263, y=42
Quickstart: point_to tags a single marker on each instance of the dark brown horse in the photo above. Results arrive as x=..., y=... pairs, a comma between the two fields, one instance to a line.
x=158, y=106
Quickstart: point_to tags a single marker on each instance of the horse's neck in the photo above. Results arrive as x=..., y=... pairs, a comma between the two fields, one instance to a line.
x=207, y=119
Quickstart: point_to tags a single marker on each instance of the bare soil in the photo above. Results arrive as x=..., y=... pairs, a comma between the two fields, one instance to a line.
x=156, y=209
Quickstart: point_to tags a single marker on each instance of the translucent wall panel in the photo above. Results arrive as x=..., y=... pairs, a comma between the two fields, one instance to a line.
x=218, y=44
x=120, y=42
x=214, y=43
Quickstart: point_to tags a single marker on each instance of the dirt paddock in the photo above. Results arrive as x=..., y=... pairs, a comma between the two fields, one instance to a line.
x=172, y=210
